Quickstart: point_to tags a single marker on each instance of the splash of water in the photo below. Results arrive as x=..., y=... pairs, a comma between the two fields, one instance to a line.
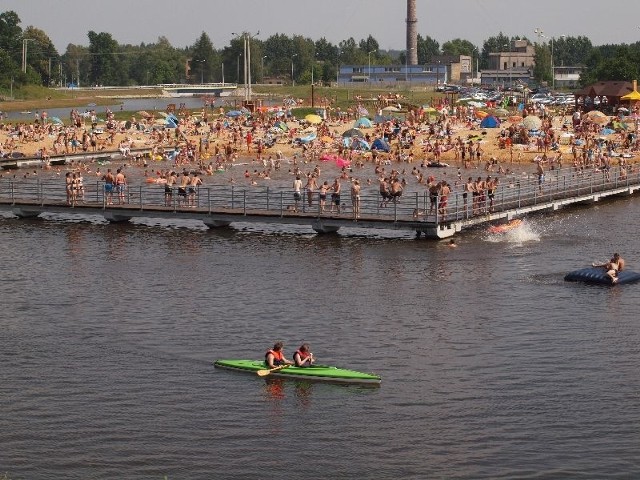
x=525, y=232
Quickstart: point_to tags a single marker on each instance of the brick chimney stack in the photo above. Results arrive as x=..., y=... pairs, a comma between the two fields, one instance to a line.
x=412, y=33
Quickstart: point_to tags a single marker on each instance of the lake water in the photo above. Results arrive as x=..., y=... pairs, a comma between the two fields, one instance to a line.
x=492, y=365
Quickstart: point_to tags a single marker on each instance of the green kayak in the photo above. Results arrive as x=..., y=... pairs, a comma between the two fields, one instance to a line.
x=316, y=373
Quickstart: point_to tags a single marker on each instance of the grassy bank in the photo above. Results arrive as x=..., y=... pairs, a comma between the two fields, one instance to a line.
x=39, y=98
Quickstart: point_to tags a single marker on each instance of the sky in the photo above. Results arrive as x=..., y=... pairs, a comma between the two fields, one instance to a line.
x=182, y=22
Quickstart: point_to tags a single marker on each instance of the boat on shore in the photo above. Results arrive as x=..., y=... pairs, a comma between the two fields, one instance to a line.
x=315, y=373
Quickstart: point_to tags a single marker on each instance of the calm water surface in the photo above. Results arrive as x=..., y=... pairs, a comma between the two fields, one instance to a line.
x=492, y=365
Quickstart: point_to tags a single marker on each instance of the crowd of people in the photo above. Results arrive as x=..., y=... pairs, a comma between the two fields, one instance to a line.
x=207, y=144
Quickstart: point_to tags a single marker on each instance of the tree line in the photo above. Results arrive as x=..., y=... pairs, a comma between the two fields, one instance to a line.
x=104, y=61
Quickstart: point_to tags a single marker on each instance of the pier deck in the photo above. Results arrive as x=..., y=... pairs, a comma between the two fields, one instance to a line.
x=219, y=206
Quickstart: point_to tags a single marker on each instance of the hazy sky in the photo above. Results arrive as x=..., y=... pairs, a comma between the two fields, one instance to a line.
x=182, y=22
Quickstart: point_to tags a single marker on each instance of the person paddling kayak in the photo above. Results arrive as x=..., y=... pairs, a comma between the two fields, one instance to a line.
x=275, y=357
x=303, y=357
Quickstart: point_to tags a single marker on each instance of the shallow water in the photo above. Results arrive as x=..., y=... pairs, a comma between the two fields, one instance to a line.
x=492, y=365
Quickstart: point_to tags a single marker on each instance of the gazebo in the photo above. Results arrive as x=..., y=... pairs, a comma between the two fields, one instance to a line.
x=609, y=92
x=632, y=97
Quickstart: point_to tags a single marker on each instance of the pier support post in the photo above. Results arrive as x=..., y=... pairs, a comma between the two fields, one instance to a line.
x=216, y=223
x=439, y=231
x=320, y=227
x=116, y=218
x=25, y=213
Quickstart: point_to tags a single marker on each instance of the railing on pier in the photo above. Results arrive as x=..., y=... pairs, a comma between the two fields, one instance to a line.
x=411, y=209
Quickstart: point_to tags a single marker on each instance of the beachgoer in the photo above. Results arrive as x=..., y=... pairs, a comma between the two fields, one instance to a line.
x=355, y=198
x=275, y=357
x=297, y=195
x=613, y=267
x=540, y=173
x=303, y=356
x=109, y=180
x=121, y=183
x=324, y=188
x=335, y=196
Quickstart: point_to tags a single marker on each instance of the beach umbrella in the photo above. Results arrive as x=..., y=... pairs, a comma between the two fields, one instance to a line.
x=353, y=132
x=142, y=113
x=598, y=117
x=501, y=112
x=531, y=122
x=363, y=122
x=390, y=108
x=164, y=114
x=234, y=113
x=326, y=139
x=481, y=114
x=56, y=120
x=363, y=112
x=313, y=119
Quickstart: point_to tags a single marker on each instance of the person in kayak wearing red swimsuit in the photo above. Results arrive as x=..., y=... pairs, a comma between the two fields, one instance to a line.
x=303, y=357
x=275, y=357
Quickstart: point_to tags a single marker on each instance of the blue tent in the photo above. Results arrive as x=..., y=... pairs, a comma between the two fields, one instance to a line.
x=234, y=113
x=363, y=122
x=490, y=121
x=380, y=144
x=171, y=121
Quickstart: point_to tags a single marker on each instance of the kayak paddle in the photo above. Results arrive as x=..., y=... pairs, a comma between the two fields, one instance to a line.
x=264, y=373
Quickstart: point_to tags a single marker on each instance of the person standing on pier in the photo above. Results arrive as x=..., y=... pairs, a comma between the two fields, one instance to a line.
x=168, y=189
x=311, y=187
x=194, y=184
x=297, y=195
x=121, y=185
x=355, y=198
x=540, y=173
x=109, y=180
x=182, y=189
x=335, y=196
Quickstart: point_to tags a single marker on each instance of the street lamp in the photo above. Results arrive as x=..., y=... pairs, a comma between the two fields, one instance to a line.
x=338, y=67
x=293, y=82
x=25, y=42
x=262, y=67
x=540, y=33
x=437, y=74
x=369, y=77
x=201, y=62
x=238, y=74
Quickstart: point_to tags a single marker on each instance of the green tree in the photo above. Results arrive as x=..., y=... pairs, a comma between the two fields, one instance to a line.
x=611, y=62
x=499, y=43
x=542, y=60
x=427, y=49
x=204, y=59
x=104, y=59
x=10, y=49
x=43, y=57
x=11, y=35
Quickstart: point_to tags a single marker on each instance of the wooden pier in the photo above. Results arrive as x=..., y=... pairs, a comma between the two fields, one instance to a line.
x=221, y=206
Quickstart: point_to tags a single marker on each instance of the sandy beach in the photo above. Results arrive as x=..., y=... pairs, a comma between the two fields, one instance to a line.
x=230, y=150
